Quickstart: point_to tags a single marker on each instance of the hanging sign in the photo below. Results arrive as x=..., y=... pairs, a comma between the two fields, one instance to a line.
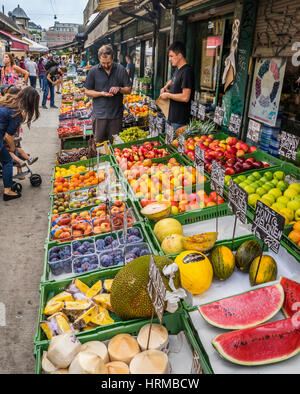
x=199, y=156
x=169, y=134
x=253, y=132
x=235, y=123
x=217, y=178
x=268, y=226
x=238, y=201
x=289, y=144
x=219, y=115
x=156, y=289
x=201, y=111
x=194, y=108
x=181, y=143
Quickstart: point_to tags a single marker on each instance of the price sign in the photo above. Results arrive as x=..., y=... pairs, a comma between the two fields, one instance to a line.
x=219, y=115
x=156, y=289
x=235, y=123
x=199, y=156
x=217, y=177
x=254, y=129
x=194, y=108
x=201, y=111
x=196, y=365
x=238, y=201
x=289, y=144
x=268, y=226
x=181, y=143
x=169, y=134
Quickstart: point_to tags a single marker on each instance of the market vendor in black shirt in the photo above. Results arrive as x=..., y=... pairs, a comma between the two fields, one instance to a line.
x=106, y=83
x=180, y=88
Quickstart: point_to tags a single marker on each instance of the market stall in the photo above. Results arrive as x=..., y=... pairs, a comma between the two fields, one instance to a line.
x=173, y=253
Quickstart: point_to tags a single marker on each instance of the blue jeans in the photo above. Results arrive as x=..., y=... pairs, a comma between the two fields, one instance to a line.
x=7, y=167
x=175, y=125
x=48, y=87
x=42, y=81
x=32, y=79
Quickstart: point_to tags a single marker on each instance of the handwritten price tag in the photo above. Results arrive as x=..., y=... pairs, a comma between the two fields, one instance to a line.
x=181, y=143
x=235, y=124
x=169, y=134
x=238, y=201
x=253, y=132
x=156, y=289
x=217, y=178
x=289, y=144
x=219, y=115
x=201, y=111
x=199, y=156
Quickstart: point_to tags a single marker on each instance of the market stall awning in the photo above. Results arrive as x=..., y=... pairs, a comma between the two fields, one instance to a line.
x=34, y=46
x=94, y=6
x=16, y=43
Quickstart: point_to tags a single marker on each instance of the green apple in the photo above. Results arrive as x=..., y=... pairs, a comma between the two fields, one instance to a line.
x=227, y=179
x=268, y=175
x=294, y=205
x=297, y=198
x=261, y=191
x=290, y=193
x=295, y=186
x=282, y=185
x=249, y=189
x=275, y=192
x=241, y=178
x=264, y=179
x=288, y=213
x=260, y=183
x=243, y=185
x=248, y=182
x=297, y=215
x=274, y=182
x=278, y=206
x=251, y=178
x=280, y=175
x=255, y=185
x=283, y=200
x=268, y=186
x=252, y=199
x=269, y=197
x=265, y=201
x=257, y=175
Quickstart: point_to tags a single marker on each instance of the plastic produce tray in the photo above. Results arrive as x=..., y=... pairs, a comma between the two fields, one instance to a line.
x=290, y=246
x=175, y=323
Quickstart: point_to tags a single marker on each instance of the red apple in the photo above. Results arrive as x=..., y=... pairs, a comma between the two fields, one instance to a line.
x=258, y=164
x=266, y=165
x=229, y=171
x=252, y=149
x=231, y=140
x=240, y=153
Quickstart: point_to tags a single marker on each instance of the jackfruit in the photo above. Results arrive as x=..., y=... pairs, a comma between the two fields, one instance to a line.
x=103, y=300
x=74, y=309
x=53, y=307
x=129, y=296
x=102, y=318
x=77, y=286
x=94, y=290
x=64, y=296
x=85, y=318
x=107, y=285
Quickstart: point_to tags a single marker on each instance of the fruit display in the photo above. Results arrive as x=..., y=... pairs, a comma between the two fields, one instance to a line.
x=223, y=262
x=291, y=296
x=260, y=345
x=69, y=131
x=73, y=155
x=294, y=235
x=240, y=311
x=70, y=170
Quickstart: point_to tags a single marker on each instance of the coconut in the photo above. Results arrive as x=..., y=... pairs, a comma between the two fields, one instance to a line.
x=62, y=349
x=150, y=362
x=47, y=366
x=158, y=337
x=98, y=348
x=117, y=367
x=87, y=363
x=123, y=347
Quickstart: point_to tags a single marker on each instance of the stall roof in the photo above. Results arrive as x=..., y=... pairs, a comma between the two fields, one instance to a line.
x=34, y=46
x=17, y=44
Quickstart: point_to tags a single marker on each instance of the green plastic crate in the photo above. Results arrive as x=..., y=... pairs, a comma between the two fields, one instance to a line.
x=75, y=143
x=46, y=272
x=236, y=243
x=174, y=322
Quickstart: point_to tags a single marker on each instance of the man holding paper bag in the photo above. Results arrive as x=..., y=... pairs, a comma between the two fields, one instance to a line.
x=179, y=89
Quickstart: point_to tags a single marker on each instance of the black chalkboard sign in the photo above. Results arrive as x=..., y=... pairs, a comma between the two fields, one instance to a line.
x=219, y=115
x=289, y=144
x=268, y=226
x=169, y=134
x=235, y=123
x=156, y=289
x=201, y=111
x=253, y=132
x=217, y=177
x=199, y=156
x=181, y=143
x=238, y=201
x=194, y=108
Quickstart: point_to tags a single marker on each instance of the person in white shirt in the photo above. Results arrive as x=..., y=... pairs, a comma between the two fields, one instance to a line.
x=32, y=68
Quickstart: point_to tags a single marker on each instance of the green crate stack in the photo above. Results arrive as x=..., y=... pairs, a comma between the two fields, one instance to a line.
x=174, y=322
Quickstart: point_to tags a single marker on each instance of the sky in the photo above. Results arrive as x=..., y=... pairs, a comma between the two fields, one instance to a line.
x=42, y=12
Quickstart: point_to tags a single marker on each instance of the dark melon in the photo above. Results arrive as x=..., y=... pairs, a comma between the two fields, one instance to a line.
x=223, y=262
x=246, y=253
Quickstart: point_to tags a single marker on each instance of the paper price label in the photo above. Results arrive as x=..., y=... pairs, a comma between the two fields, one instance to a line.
x=253, y=132
x=217, y=178
x=238, y=201
x=194, y=108
x=201, y=111
x=199, y=156
x=181, y=143
x=156, y=289
x=169, y=134
x=268, y=226
x=235, y=124
x=219, y=115
x=289, y=144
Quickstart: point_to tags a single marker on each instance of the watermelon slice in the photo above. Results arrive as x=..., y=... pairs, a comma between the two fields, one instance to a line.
x=292, y=296
x=244, y=310
x=265, y=344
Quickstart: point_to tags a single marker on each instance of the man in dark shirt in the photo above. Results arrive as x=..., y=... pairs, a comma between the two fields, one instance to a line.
x=106, y=83
x=180, y=88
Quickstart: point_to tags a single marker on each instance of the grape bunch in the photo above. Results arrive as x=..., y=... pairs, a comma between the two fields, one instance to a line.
x=69, y=157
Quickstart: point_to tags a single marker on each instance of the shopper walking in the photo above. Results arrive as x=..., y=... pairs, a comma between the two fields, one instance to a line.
x=41, y=73
x=32, y=68
x=52, y=76
x=106, y=83
x=10, y=72
x=180, y=88
x=15, y=110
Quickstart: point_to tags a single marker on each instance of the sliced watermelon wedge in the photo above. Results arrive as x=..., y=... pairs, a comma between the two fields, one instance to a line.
x=265, y=344
x=292, y=296
x=244, y=310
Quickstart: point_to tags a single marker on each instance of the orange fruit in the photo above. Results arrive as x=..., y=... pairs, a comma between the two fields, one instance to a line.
x=297, y=226
x=294, y=235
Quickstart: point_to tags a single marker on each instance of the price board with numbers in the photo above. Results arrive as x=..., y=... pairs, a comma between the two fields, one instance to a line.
x=268, y=226
x=156, y=289
x=194, y=108
x=235, y=123
x=199, y=156
x=254, y=129
x=169, y=134
x=201, y=111
x=238, y=201
x=289, y=144
x=217, y=178
x=181, y=143
x=219, y=115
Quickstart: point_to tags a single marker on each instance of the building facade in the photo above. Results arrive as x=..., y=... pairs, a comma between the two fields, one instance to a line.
x=60, y=33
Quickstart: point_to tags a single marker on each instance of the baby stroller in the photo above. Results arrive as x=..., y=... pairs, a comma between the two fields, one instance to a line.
x=35, y=179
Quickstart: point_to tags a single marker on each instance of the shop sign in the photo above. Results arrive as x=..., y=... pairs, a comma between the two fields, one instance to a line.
x=289, y=144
